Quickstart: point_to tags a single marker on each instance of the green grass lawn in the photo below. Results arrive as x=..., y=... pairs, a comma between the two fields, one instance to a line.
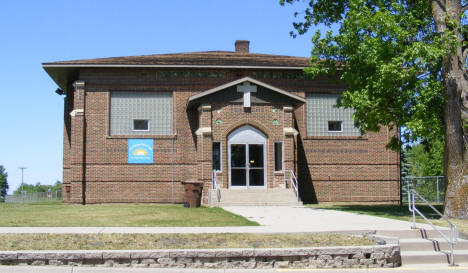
x=399, y=212
x=111, y=215
x=171, y=241
x=383, y=210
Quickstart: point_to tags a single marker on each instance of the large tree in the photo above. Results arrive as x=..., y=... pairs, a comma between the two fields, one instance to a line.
x=404, y=62
x=3, y=183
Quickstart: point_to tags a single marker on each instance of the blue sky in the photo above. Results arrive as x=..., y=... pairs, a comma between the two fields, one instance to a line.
x=33, y=32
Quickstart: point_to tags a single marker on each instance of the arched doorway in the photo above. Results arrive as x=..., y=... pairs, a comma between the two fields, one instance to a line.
x=247, y=158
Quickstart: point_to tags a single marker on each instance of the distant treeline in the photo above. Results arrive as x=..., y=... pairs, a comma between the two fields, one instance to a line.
x=27, y=188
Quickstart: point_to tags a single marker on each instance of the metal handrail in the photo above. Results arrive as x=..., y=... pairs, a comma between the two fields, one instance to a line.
x=294, y=184
x=453, y=240
x=214, y=185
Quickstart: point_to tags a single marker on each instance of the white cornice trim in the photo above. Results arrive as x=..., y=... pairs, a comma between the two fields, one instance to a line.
x=79, y=84
x=77, y=112
x=203, y=131
x=288, y=131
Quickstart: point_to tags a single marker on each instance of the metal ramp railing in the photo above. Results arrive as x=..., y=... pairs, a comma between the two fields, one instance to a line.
x=413, y=196
x=294, y=183
x=215, y=186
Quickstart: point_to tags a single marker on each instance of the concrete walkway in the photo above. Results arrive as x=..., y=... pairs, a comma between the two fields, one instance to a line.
x=302, y=219
x=272, y=220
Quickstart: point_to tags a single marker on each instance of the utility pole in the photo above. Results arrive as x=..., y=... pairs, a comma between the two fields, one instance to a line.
x=22, y=177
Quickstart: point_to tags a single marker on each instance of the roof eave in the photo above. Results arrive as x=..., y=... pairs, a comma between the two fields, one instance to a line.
x=58, y=65
x=62, y=76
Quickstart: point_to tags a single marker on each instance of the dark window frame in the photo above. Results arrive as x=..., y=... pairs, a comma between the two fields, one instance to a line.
x=330, y=124
x=275, y=156
x=141, y=130
x=220, y=156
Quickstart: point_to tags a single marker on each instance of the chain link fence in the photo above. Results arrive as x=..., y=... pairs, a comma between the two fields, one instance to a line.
x=49, y=196
x=432, y=188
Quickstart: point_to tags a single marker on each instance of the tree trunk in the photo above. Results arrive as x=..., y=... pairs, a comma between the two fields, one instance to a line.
x=456, y=196
x=453, y=68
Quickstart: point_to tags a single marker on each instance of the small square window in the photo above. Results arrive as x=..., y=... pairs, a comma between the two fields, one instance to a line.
x=335, y=126
x=140, y=125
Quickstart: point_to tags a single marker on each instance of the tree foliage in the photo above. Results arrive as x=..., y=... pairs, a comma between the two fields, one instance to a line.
x=3, y=183
x=389, y=56
x=30, y=188
x=404, y=63
x=405, y=164
x=426, y=159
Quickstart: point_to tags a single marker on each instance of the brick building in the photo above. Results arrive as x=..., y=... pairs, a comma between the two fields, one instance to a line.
x=136, y=127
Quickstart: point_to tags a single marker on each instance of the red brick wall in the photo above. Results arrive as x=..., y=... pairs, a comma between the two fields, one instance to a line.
x=348, y=169
x=329, y=169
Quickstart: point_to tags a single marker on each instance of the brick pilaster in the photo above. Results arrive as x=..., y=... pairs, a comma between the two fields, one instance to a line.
x=290, y=141
x=67, y=134
x=78, y=142
x=204, y=143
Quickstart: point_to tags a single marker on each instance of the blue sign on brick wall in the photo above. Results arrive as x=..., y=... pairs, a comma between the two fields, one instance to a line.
x=140, y=151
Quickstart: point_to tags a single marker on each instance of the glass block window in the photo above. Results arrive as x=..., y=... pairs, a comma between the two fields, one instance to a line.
x=323, y=116
x=140, y=113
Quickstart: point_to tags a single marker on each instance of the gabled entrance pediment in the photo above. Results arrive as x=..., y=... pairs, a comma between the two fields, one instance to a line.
x=246, y=91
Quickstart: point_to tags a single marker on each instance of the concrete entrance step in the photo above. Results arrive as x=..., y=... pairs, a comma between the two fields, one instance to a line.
x=432, y=257
x=420, y=246
x=258, y=197
x=432, y=244
x=413, y=233
x=283, y=204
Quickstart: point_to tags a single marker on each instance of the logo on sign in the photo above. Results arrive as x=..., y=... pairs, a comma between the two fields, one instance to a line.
x=140, y=151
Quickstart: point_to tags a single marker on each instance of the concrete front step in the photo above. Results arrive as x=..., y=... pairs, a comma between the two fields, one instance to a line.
x=257, y=197
x=432, y=257
x=432, y=244
x=284, y=204
x=419, y=246
x=414, y=233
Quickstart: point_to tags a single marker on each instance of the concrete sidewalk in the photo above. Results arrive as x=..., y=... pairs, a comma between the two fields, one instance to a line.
x=272, y=219
x=301, y=219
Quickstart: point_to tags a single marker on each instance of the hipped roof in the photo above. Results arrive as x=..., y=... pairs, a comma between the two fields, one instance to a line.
x=66, y=72
x=206, y=58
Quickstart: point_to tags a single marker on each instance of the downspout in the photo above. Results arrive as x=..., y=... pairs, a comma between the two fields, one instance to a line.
x=172, y=171
x=174, y=121
x=83, y=165
x=400, y=173
x=296, y=171
x=282, y=147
